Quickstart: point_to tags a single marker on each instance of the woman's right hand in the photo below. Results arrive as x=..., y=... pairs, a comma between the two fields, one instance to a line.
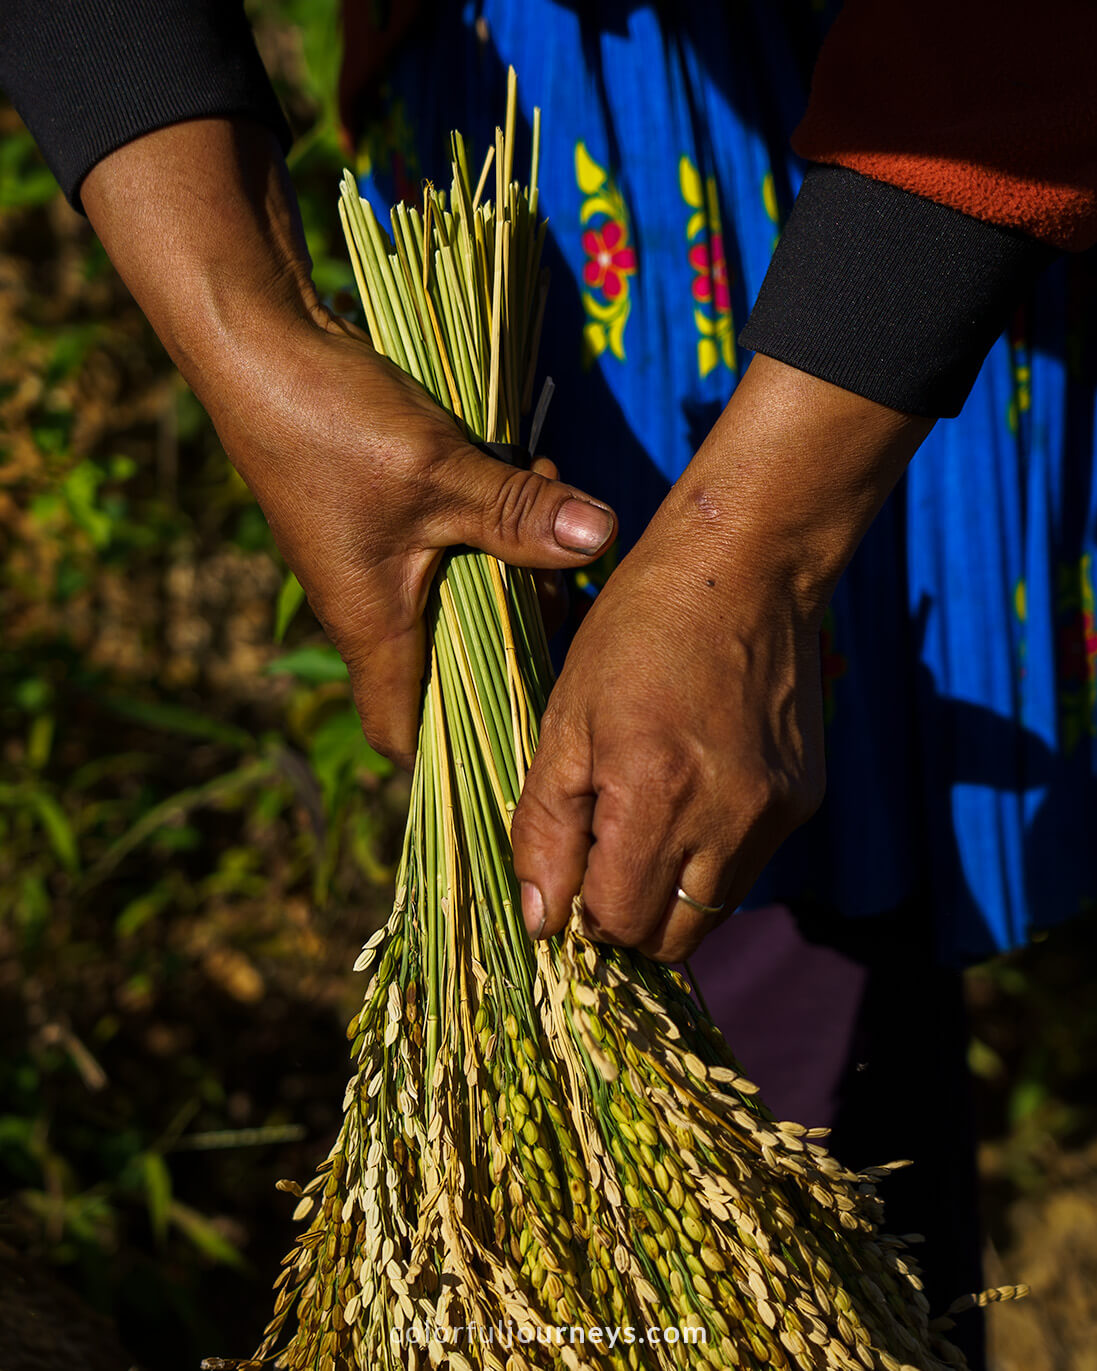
x=365, y=481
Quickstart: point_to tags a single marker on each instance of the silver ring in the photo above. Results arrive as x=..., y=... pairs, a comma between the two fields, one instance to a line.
x=696, y=904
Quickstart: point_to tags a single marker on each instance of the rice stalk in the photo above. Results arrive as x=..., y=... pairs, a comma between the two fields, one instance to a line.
x=546, y=1139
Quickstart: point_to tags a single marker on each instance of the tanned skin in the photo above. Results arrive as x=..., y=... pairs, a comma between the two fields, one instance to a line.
x=683, y=740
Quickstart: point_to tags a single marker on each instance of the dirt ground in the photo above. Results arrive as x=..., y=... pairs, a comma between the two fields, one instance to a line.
x=1054, y=1250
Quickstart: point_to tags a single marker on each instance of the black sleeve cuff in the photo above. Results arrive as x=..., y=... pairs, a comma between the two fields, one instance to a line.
x=88, y=76
x=887, y=294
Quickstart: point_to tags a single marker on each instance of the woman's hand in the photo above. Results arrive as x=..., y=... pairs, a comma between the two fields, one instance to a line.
x=683, y=741
x=365, y=481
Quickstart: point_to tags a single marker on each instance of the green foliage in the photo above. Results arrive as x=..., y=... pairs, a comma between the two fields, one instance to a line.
x=195, y=837
x=24, y=181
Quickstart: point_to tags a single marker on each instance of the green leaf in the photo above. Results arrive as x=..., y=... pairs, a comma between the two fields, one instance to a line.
x=81, y=488
x=984, y=1062
x=338, y=749
x=173, y=718
x=40, y=741
x=290, y=599
x=51, y=432
x=33, y=694
x=57, y=828
x=34, y=905
x=169, y=811
x=69, y=351
x=205, y=1237
x=157, y=1193
x=24, y=180
x=1026, y=1100
x=312, y=664
x=140, y=911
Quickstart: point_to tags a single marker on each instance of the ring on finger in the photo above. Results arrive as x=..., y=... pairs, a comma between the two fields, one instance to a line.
x=696, y=904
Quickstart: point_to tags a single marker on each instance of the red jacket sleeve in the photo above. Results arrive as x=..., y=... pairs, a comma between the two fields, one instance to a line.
x=986, y=106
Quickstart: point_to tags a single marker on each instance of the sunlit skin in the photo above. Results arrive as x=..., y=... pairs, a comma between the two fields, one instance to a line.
x=683, y=740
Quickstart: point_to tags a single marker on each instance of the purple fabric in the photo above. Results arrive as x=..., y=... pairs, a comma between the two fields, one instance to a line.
x=788, y=1007
x=850, y=1025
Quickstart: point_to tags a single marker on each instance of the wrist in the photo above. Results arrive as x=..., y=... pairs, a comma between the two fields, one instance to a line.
x=201, y=222
x=785, y=486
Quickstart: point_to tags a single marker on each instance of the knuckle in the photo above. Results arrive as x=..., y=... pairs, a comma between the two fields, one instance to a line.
x=663, y=770
x=516, y=509
x=530, y=827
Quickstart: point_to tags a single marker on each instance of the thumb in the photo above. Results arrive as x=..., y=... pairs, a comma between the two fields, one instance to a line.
x=525, y=518
x=550, y=831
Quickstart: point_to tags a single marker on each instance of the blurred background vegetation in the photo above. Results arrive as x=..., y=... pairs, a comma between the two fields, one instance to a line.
x=195, y=840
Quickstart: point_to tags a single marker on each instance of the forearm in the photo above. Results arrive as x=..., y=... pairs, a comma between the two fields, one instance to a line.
x=201, y=222
x=785, y=486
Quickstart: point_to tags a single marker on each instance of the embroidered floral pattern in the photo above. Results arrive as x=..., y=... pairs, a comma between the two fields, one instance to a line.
x=1020, y=609
x=611, y=259
x=608, y=262
x=711, y=287
x=1076, y=652
x=770, y=205
x=1020, y=400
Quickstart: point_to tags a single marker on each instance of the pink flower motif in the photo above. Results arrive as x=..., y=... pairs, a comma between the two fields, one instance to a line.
x=1078, y=647
x=608, y=263
x=711, y=281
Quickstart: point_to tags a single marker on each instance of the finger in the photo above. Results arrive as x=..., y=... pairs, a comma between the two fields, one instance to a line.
x=551, y=829
x=632, y=864
x=523, y=517
x=706, y=879
x=544, y=466
x=387, y=680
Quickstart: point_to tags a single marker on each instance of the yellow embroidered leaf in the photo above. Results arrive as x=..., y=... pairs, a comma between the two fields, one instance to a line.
x=689, y=179
x=769, y=196
x=589, y=175
x=696, y=224
x=606, y=313
x=1020, y=603
x=617, y=335
x=707, y=356
x=707, y=327
x=712, y=203
x=727, y=348
x=604, y=203
x=594, y=342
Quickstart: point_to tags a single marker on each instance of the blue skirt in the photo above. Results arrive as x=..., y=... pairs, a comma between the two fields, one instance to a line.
x=960, y=651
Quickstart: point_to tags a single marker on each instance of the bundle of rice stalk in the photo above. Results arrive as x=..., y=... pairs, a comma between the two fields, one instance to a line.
x=549, y=1155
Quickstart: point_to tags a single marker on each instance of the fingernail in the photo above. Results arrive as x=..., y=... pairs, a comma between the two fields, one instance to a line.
x=582, y=527
x=533, y=909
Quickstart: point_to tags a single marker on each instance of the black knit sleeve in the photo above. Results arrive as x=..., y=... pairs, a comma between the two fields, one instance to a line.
x=88, y=76
x=888, y=294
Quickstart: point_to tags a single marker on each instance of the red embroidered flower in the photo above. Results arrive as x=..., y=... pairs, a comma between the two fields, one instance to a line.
x=711, y=281
x=608, y=263
x=1078, y=647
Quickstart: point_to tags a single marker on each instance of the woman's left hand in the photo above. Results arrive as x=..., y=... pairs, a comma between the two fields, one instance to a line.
x=684, y=739
x=682, y=743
